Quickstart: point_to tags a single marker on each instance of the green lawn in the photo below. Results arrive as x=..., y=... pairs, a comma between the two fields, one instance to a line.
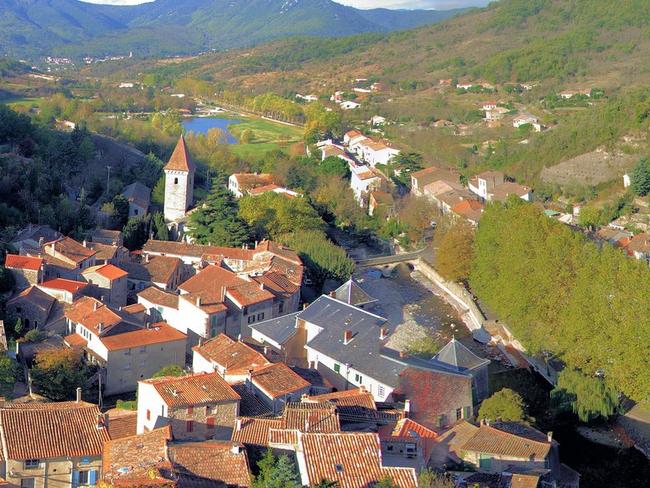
x=26, y=103
x=267, y=136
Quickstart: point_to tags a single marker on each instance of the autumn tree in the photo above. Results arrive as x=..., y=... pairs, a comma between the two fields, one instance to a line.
x=504, y=405
x=455, y=252
x=57, y=373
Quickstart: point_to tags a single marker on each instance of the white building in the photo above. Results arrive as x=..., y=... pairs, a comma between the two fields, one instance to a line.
x=362, y=181
x=524, y=119
x=179, y=183
x=349, y=105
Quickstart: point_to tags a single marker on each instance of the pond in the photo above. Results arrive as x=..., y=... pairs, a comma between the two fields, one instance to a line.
x=201, y=125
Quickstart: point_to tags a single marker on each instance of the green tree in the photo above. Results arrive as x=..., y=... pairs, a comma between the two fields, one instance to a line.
x=589, y=397
x=456, y=251
x=8, y=375
x=161, y=229
x=428, y=478
x=404, y=164
x=57, y=373
x=136, y=232
x=334, y=166
x=171, y=370
x=18, y=327
x=504, y=405
x=640, y=178
x=385, y=482
x=120, y=211
x=276, y=472
x=217, y=221
x=158, y=193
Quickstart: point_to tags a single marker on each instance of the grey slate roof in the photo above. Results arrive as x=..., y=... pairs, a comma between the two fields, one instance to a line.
x=279, y=329
x=350, y=292
x=458, y=357
x=138, y=194
x=363, y=352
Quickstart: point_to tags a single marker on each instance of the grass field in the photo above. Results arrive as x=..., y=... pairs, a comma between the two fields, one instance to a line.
x=23, y=103
x=266, y=136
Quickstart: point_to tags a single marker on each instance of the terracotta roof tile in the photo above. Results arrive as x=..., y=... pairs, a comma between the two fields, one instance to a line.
x=353, y=460
x=108, y=271
x=234, y=356
x=254, y=431
x=159, y=297
x=526, y=443
x=71, y=249
x=156, y=334
x=249, y=181
x=211, y=464
x=311, y=417
x=67, y=429
x=15, y=261
x=195, y=250
x=71, y=286
x=75, y=341
x=135, y=308
x=180, y=159
x=193, y=390
x=122, y=423
x=277, y=380
x=104, y=252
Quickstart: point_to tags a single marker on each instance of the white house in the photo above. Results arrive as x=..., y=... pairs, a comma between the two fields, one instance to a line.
x=363, y=180
x=483, y=183
x=524, y=119
x=377, y=120
x=349, y=105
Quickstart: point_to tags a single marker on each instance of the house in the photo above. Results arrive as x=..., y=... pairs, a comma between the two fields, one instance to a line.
x=496, y=113
x=486, y=106
x=126, y=348
x=32, y=306
x=500, y=193
x=639, y=247
x=470, y=210
x=462, y=85
x=351, y=293
x=153, y=459
x=420, y=179
x=351, y=136
x=283, y=338
x=381, y=202
x=484, y=183
x=52, y=444
x=109, y=253
x=349, y=105
x=159, y=303
x=65, y=291
x=26, y=270
x=32, y=237
x=377, y=121
x=334, y=151
x=337, y=97
x=307, y=98
x=447, y=196
x=164, y=272
x=406, y=443
x=231, y=359
x=108, y=282
x=568, y=94
x=524, y=119
x=277, y=384
x=371, y=151
x=364, y=180
x=349, y=459
x=458, y=358
x=179, y=183
x=107, y=237
x=66, y=258
x=196, y=407
x=241, y=184
x=139, y=197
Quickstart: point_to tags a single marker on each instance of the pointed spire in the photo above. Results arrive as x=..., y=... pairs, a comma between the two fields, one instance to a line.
x=180, y=160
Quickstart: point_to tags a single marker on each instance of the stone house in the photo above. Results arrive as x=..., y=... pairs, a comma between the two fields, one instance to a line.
x=109, y=283
x=27, y=271
x=32, y=306
x=196, y=407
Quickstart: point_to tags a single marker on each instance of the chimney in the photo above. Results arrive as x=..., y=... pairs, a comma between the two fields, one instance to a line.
x=304, y=306
x=100, y=327
x=78, y=395
x=407, y=408
x=95, y=306
x=198, y=301
x=549, y=436
x=383, y=333
x=41, y=241
x=266, y=350
x=332, y=294
x=237, y=425
x=101, y=421
x=146, y=258
x=347, y=336
x=235, y=449
x=85, y=243
x=262, y=286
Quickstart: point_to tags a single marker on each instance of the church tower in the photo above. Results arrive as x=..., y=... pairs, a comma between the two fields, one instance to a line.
x=179, y=183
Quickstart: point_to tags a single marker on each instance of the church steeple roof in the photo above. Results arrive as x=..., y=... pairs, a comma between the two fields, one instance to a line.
x=180, y=160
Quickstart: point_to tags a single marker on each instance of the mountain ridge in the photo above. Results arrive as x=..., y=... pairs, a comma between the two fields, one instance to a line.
x=32, y=28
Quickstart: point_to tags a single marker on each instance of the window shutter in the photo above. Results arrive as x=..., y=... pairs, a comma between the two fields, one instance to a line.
x=75, y=478
x=92, y=477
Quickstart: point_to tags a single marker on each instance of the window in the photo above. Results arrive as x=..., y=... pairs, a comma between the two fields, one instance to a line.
x=213, y=331
x=337, y=368
x=210, y=423
x=143, y=348
x=251, y=319
x=459, y=413
x=84, y=478
x=175, y=181
x=260, y=316
x=27, y=483
x=410, y=448
x=32, y=463
x=127, y=352
x=190, y=410
x=136, y=211
x=281, y=307
x=189, y=427
x=358, y=378
x=148, y=414
x=485, y=462
x=381, y=391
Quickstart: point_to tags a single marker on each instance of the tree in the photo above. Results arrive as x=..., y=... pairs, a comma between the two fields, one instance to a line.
x=18, y=327
x=217, y=222
x=334, y=166
x=325, y=483
x=276, y=472
x=120, y=211
x=640, y=178
x=57, y=373
x=385, y=482
x=8, y=375
x=456, y=252
x=161, y=229
x=430, y=479
x=158, y=193
x=171, y=370
x=505, y=405
x=136, y=232
x=404, y=164
x=590, y=397
x=7, y=281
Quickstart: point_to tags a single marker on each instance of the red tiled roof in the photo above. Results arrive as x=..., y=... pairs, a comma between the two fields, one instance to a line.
x=211, y=279
x=210, y=463
x=180, y=159
x=63, y=284
x=16, y=261
x=352, y=460
x=159, y=297
x=67, y=429
x=90, y=312
x=135, y=308
x=75, y=340
x=71, y=249
x=108, y=271
x=277, y=380
x=248, y=293
x=526, y=444
x=195, y=250
x=234, y=356
x=349, y=398
x=311, y=417
x=156, y=334
x=121, y=423
x=193, y=390
x=255, y=431
x=248, y=181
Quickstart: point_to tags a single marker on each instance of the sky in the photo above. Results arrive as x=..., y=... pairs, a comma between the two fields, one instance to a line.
x=408, y=4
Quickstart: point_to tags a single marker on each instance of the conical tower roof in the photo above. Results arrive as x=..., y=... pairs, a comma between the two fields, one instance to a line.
x=180, y=160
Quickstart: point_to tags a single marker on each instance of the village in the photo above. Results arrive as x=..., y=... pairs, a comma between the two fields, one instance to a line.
x=332, y=384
